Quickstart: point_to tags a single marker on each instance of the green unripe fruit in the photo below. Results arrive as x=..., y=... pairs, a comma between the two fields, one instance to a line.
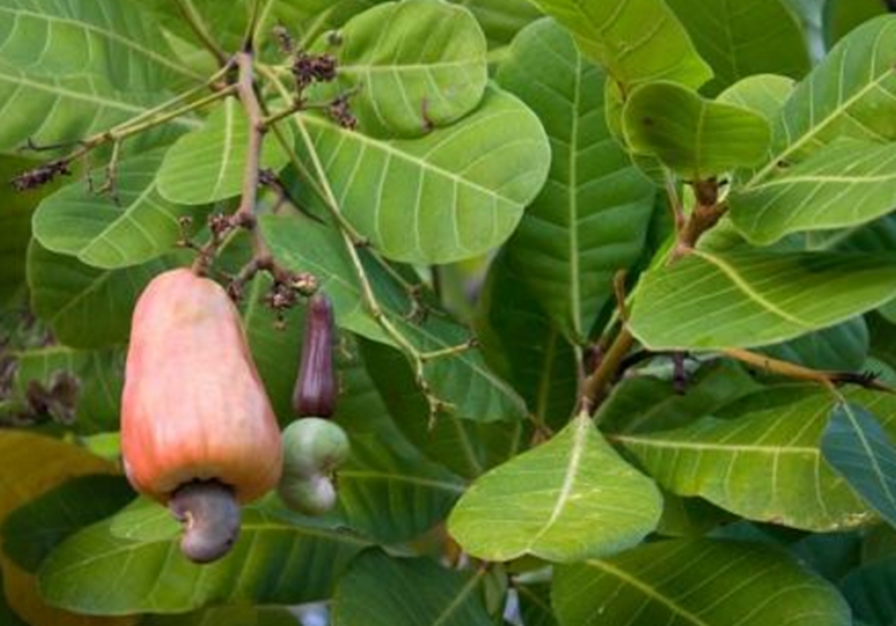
x=313, y=446
x=314, y=495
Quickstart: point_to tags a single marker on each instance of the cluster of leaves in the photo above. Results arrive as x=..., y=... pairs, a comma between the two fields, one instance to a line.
x=554, y=139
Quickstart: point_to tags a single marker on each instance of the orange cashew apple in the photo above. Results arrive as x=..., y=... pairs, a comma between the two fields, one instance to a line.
x=197, y=429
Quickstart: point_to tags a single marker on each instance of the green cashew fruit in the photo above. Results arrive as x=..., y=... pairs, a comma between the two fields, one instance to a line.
x=314, y=495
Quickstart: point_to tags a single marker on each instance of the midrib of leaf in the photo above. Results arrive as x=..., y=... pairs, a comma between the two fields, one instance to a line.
x=813, y=131
x=402, y=478
x=92, y=287
x=544, y=387
x=397, y=68
x=228, y=141
x=870, y=454
x=468, y=451
x=647, y=590
x=126, y=216
x=580, y=439
x=574, y=270
x=748, y=290
x=721, y=446
x=458, y=600
x=111, y=35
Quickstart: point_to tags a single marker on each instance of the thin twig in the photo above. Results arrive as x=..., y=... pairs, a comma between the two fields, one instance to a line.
x=197, y=25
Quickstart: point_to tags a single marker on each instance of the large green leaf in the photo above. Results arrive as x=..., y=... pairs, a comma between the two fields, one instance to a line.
x=501, y=20
x=277, y=560
x=566, y=500
x=393, y=496
x=133, y=227
x=765, y=464
x=763, y=93
x=591, y=218
x=636, y=41
x=463, y=380
x=99, y=373
x=745, y=38
x=452, y=194
x=698, y=583
x=841, y=16
x=207, y=165
x=843, y=347
x=467, y=447
x=851, y=93
x=748, y=298
x=379, y=590
x=696, y=137
x=871, y=592
x=416, y=65
x=858, y=448
x=31, y=532
x=522, y=344
x=843, y=184
x=70, y=69
x=86, y=307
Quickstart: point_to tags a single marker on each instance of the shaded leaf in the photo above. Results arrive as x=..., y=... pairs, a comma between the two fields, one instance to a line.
x=711, y=300
x=236, y=615
x=7, y=615
x=700, y=582
x=766, y=464
x=858, y=449
x=632, y=49
x=501, y=20
x=839, y=16
x=379, y=590
x=87, y=307
x=522, y=344
x=568, y=499
x=32, y=531
x=134, y=226
x=71, y=69
x=463, y=380
x=535, y=604
x=744, y=39
x=207, y=164
x=277, y=560
x=843, y=347
x=871, y=592
x=591, y=218
x=843, y=184
x=696, y=137
x=851, y=93
x=453, y=194
x=417, y=65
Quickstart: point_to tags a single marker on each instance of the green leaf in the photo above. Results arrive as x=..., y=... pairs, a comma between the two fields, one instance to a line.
x=764, y=94
x=535, y=604
x=523, y=345
x=207, y=165
x=840, y=17
x=846, y=183
x=633, y=49
x=463, y=380
x=843, y=347
x=744, y=298
x=417, y=65
x=871, y=592
x=765, y=465
x=71, y=69
x=694, y=136
x=501, y=20
x=591, y=218
x=378, y=590
x=852, y=93
x=743, y=39
x=466, y=446
x=32, y=531
x=277, y=560
x=236, y=615
x=134, y=226
x=858, y=449
x=100, y=376
x=86, y=307
x=699, y=582
x=568, y=499
x=419, y=493
x=453, y=194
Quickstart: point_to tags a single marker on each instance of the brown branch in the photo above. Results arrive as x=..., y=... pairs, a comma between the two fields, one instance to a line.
x=595, y=386
x=705, y=215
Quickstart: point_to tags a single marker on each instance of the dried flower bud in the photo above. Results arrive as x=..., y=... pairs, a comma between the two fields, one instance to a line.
x=316, y=389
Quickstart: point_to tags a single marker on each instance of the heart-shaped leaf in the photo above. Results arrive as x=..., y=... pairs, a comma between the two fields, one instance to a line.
x=453, y=194
x=696, y=137
x=417, y=65
x=207, y=165
x=569, y=499
x=699, y=582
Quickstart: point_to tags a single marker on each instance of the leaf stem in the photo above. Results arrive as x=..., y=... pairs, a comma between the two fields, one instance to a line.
x=197, y=25
x=595, y=386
